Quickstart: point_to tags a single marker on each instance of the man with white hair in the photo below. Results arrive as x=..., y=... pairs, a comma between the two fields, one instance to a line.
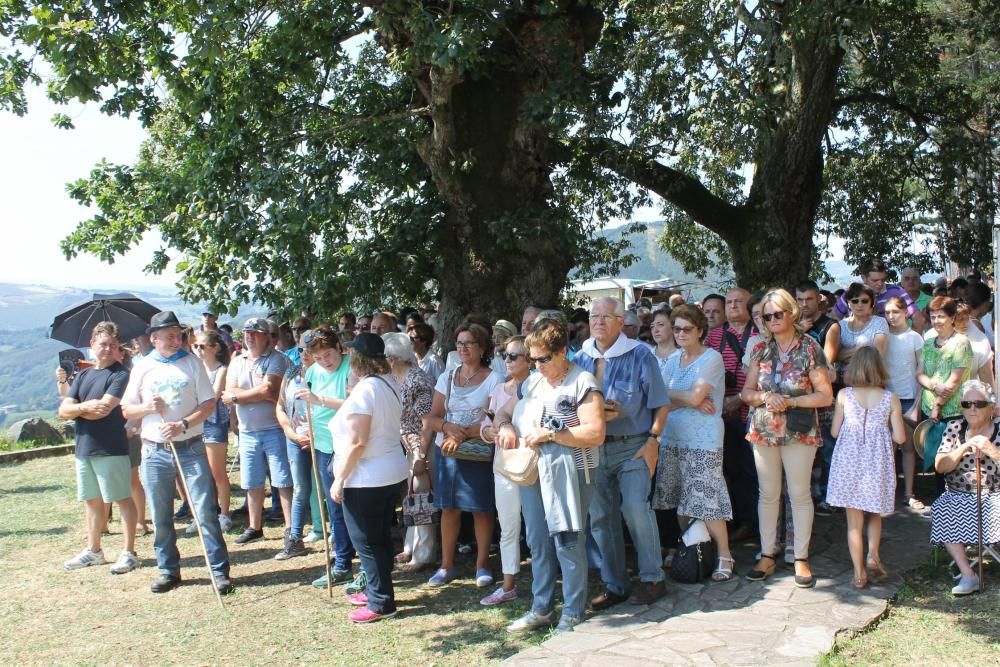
x=528, y=319
x=636, y=409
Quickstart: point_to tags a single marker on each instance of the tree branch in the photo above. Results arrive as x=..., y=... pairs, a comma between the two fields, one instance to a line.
x=680, y=189
x=888, y=101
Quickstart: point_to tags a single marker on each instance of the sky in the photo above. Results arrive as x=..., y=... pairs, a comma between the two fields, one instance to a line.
x=38, y=161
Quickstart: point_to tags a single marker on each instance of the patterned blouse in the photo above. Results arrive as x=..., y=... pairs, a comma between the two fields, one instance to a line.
x=939, y=362
x=417, y=392
x=963, y=478
x=790, y=377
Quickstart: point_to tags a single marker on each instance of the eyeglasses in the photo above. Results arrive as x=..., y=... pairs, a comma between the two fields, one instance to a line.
x=683, y=330
x=767, y=317
x=861, y=302
x=975, y=404
x=466, y=343
x=540, y=360
x=512, y=356
x=603, y=318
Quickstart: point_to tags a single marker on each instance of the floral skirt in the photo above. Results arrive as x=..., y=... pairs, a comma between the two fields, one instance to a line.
x=691, y=480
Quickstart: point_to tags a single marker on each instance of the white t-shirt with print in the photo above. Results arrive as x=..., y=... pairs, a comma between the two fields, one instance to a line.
x=183, y=385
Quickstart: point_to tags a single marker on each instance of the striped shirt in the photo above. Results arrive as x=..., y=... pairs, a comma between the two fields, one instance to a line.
x=732, y=358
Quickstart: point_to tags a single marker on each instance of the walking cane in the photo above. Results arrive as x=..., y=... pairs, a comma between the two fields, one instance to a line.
x=979, y=521
x=197, y=522
x=321, y=493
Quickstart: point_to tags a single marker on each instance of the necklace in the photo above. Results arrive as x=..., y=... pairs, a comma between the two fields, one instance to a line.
x=687, y=359
x=466, y=379
x=783, y=351
x=558, y=380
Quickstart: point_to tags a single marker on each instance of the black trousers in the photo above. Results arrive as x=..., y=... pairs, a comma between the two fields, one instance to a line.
x=740, y=472
x=368, y=513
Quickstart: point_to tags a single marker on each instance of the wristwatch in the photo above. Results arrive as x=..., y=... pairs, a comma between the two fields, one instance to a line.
x=552, y=435
x=236, y=399
x=655, y=436
x=185, y=424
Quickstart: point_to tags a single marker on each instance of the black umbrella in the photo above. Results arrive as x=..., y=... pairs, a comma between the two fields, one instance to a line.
x=128, y=311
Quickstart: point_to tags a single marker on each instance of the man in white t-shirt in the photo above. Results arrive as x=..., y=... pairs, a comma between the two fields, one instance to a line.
x=170, y=392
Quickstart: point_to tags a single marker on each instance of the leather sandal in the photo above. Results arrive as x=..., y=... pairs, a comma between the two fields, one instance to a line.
x=804, y=581
x=860, y=583
x=724, y=573
x=761, y=575
x=876, y=571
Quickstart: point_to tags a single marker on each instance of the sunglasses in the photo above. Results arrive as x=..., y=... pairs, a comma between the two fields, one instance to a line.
x=512, y=356
x=540, y=360
x=861, y=302
x=767, y=317
x=202, y=346
x=975, y=404
x=683, y=330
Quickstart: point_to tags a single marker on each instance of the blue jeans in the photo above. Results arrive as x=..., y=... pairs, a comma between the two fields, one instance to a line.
x=260, y=452
x=342, y=546
x=159, y=474
x=550, y=554
x=302, y=484
x=622, y=488
x=368, y=513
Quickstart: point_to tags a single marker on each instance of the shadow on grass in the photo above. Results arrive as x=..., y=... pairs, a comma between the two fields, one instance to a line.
x=34, y=532
x=18, y=490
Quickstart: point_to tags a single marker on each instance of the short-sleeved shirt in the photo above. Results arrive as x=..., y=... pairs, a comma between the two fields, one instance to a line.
x=546, y=406
x=901, y=362
x=963, y=478
x=689, y=428
x=250, y=373
x=105, y=436
x=382, y=462
x=183, y=384
x=890, y=291
x=334, y=385
x=632, y=379
x=465, y=406
x=939, y=362
x=732, y=358
x=788, y=376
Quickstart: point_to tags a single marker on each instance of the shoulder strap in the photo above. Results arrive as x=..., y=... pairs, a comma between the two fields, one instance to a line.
x=386, y=383
x=447, y=396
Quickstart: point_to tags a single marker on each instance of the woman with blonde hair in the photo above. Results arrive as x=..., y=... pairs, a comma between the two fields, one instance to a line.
x=786, y=381
x=866, y=421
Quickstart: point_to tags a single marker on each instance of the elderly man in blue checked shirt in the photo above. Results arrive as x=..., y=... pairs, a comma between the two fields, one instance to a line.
x=636, y=408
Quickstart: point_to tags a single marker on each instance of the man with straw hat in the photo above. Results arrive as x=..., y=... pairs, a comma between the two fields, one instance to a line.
x=170, y=392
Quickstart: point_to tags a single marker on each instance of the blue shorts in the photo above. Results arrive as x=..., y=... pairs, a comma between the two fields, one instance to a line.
x=906, y=404
x=261, y=451
x=217, y=433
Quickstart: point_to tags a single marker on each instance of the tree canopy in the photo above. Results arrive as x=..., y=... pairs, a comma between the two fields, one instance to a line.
x=320, y=153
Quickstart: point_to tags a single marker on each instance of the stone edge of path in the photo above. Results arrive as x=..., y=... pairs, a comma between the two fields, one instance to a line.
x=22, y=455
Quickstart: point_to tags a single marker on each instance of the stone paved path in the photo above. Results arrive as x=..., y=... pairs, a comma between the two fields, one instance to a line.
x=741, y=622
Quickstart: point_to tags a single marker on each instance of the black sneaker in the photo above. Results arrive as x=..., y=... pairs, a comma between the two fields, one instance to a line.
x=165, y=582
x=250, y=535
x=824, y=509
x=223, y=584
x=183, y=512
x=293, y=547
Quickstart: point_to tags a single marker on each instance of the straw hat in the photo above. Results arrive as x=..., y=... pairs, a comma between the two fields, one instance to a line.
x=920, y=436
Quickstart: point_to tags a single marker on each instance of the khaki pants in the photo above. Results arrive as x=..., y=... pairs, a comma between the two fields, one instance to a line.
x=796, y=460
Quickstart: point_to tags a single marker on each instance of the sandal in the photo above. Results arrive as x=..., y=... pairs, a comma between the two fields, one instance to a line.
x=876, y=571
x=761, y=575
x=724, y=573
x=860, y=583
x=915, y=503
x=804, y=581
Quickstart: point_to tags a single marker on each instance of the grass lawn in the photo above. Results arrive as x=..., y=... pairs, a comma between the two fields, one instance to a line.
x=88, y=616
x=927, y=625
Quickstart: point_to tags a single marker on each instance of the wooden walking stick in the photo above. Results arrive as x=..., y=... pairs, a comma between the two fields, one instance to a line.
x=321, y=494
x=197, y=522
x=979, y=520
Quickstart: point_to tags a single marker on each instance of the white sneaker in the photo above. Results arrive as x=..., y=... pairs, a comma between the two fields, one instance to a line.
x=966, y=586
x=530, y=621
x=225, y=523
x=127, y=562
x=313, y=537
x=86, y=558
x=191, y=529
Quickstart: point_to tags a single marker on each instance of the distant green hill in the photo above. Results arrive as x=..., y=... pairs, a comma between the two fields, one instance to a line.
x=27, y=371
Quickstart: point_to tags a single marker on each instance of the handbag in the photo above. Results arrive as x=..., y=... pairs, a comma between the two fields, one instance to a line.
x=693, y=563
x=473, y=449
x=519, y=465
x=800, y=420
x=418, y=508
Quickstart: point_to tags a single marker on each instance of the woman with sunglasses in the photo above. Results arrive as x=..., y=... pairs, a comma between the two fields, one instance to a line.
x=786, y=382
x=953, y=515
x=689, y=474
x=862, y=327
x=945, y=363
x=506, y=493
x=214, y=355
x=560, y=412
x=461, y=399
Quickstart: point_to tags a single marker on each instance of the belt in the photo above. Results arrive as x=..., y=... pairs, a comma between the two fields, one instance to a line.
x=177, y=443
x=619, y=438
